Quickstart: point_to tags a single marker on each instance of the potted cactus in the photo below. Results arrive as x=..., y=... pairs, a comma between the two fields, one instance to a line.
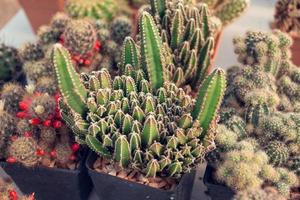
x=286, y=19
x=257, y=137
x=146, y=134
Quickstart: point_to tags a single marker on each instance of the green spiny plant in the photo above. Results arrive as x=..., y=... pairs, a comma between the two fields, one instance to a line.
x=138, y=120
x=228, y=10
x=259, y=194
x=12, y=94
x=120, y=28
x=10, y=62
x=35, y=70
x=95, y=9
x=278, y=152
x=31, y=51
x=287, y=16
x=187, y=39
x=24, y=150
x=268, y=50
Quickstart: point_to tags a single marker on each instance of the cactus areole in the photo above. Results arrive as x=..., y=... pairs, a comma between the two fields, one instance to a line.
x=139, y=120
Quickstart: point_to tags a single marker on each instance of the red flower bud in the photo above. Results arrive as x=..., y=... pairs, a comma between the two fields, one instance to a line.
x=40, y=152
x=13, y=195
x=72, y=157
x=35, y=121
x=22, y=115
x=23, y=105
x=75, y=147
x=13, y=138
x=53, y=153
x=81, y=61
x=11, y=160
x=47, y=123
x=31, y=197
x=87, y=62
x=57, y=124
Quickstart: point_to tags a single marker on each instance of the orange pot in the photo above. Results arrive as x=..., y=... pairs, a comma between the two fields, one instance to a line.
x=296, y=49
x=40, y=12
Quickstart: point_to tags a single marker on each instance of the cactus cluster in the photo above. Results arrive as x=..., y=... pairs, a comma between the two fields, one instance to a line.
x=287, y=15
x=228, y=10
x=259, y=194
x=8, y=191
x=268, y=50
x=10, y=62
x=32, y=131
x=187, y=34
x=138, y=120
x=259, y=122
x=94, y=9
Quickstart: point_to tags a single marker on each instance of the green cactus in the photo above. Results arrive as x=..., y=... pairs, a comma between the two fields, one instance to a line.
x=187, y=41
x=12, y=94
x=94, y=9
x=120, y=29
x=269, y=50
x=79, y=37
x=139, y=120
x=10, y=62
x=277, y=152
x=24, y=151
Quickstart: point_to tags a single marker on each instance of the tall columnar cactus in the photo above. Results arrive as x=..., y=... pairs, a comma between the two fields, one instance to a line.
x=95, y=9
x=10, y=62
x=188, y=40
x=287, y=16
x=138, y=120
x=227, y=10
x=269, y=50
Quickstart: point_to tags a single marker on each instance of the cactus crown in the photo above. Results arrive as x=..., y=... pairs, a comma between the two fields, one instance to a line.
x=138, y=119
x=188, y=39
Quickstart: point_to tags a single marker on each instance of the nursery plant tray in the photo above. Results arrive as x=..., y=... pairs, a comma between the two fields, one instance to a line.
x=215, y=190
x=109, y=187
x=51, y=183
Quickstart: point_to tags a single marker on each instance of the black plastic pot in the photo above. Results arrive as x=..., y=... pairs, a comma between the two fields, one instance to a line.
x=109, y=187
x=51, y=183
x=215, y=190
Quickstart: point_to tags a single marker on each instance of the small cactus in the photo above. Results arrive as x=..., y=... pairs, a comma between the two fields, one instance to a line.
x=31, y=52
x=277, y=152
x=259, y=194
x=120, y=29
x=12, y=94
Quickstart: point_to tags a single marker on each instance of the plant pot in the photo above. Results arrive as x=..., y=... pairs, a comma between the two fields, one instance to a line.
x=51, y=183
x=40, y=12
x=215, y=190
x=296, y=49
x=109, y=187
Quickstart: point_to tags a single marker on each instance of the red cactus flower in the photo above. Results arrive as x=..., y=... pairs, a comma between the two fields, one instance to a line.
x=57, y=124
x=87, y=62
x=47, y=123
x=75, y=147
x=22, y=115
x=13, y=138
x=13, y=195
x=40, y=152
x=23, y=105
x=72, y=157
x=11, y=160
x=53, y=153
x=35, y=121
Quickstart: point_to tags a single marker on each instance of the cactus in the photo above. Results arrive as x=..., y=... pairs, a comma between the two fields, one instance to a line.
x=120, y=28
x=12, y=94
x=37, y=69
x=24, y=150
x=31, y=52
x=268, y=50
x=277, y=152
x=189, y=42
x=10, y=62
x=229, y=10
x=138, y=120
x=259, y=194
x=94, y=9
x=287, y=16
x=46, y=85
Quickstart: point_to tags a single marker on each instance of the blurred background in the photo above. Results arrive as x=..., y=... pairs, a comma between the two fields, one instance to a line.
x=15, y=27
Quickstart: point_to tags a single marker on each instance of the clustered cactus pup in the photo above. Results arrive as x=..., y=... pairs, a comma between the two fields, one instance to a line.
x=139, y=122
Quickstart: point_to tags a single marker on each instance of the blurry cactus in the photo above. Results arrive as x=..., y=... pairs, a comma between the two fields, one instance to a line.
x=95, y=9
x=120, y=29
x=268, y=50
x=10, y=63
x=188, y=39
x=46, y=85
x=31, y=52
x=138, y=120
x=287, y=16
x=227, y=10
x=38, y=69
x=12, y=94
x=259, y=194
x=24, y=150
x=277, y=152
